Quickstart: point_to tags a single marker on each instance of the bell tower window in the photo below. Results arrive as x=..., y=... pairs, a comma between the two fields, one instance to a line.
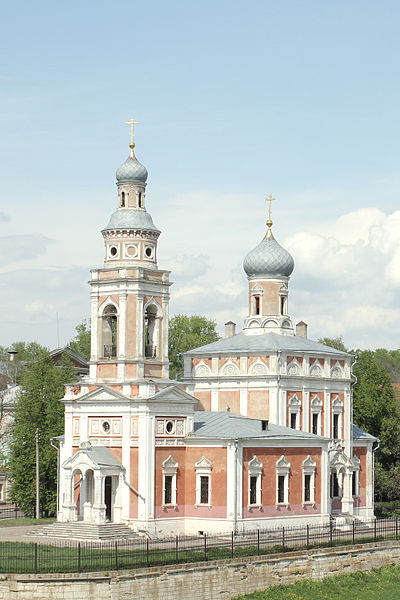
x=140, y=200
x=150, y=332
x=283, y=305
x=109, y=331
x=257, y=305
x=122, y=199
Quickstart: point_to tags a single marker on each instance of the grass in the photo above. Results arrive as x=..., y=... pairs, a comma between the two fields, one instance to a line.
x=25, y=521
x=382, y=584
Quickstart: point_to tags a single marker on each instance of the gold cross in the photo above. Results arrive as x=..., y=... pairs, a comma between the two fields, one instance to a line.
x=132, y=122
x=269, y=199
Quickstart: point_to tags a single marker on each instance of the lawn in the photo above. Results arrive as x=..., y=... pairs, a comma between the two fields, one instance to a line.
x=382, y=584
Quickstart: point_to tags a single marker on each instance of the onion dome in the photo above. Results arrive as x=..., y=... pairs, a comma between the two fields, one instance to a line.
x=131, y=170
x=268, y=258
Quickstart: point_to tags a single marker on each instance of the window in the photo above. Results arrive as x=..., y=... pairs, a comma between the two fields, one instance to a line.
x=203, y=482
x=168, y=489
x=294, y=412
x=355, y=479
x=109, y=331
x=315, y=423
x=283, y=304
x=335, y=429
x=281, y=488
x=255, y=472
x=170, y=468
x=257, y=304
x=282, y=480
x=150, y=332
x=204, y=489
x=337, y=415
x=122, y=199
x=309, y=466
x=140, y=200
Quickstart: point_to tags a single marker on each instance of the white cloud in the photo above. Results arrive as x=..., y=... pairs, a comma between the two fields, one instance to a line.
x=16, y=248
x=4, y=217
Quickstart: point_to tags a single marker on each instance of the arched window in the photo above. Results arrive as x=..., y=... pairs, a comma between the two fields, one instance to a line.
x=109, y=331
x=122, y=199
x=150, y=332
x=140, y=200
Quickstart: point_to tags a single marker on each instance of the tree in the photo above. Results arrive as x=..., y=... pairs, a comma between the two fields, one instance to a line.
x=374, y=406
x=25, y=351
x=38, y=406
x=81, y=342
x=185, y=333
x=336, y=343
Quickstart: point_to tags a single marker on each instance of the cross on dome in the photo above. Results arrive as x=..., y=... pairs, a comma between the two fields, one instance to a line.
x=269, y=199
x=132, y=123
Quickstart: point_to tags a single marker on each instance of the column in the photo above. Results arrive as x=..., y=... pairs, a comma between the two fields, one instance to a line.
x=327, y=414
x=68, y=505
x=306, y=410
x=347, y=498
x=99, y=507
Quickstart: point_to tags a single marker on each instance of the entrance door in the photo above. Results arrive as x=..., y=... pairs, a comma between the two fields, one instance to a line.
x=108, y=496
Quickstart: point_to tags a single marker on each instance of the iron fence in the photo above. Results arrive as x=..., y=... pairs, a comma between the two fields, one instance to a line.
x=69, y=556
x=9, y=511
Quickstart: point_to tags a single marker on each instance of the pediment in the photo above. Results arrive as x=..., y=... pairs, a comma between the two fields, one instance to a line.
x=102, y=394
x=203, y=463
x=171, y=394
x=255, y=463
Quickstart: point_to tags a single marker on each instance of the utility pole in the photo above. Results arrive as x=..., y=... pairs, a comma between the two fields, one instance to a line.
x=37, y=436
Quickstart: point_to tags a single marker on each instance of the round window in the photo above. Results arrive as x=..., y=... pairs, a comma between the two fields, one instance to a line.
x=106, y=426
x=149, y=251
x=169, y=426
x=113, y=251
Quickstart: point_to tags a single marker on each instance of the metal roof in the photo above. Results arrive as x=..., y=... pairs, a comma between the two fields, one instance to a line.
x=264, y=343
x=360, y=434
x=131, y=218
x=225, y=425
x=268, y=259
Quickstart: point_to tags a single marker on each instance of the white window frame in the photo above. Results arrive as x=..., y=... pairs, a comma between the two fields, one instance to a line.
x=203, y=469
x=282, y=469
x=316, y=409
x=255, y=470
x=337, y=409
x=170, y=468
x=309, y=466
x=295, y=409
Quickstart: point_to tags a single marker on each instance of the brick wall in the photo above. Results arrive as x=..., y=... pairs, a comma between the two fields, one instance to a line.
x=221, y=579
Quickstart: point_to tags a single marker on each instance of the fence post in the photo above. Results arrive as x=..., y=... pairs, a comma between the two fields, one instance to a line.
x=36, y=558
x=79, y=557
x=308, y=536
x=354, y=524
x=205, y=547
x=283, y=537
x=177, y=549
x=331, y=533
x=116, y=555
x=147, y=551
x=258, y=541
x=397, y=529
x=375, y=530
x=232, y=550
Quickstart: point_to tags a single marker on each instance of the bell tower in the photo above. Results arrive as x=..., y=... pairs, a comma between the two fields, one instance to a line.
x=130, y=294
x=268, y=268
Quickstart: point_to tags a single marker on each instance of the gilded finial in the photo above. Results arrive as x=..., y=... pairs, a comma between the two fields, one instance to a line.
x=269, y=221
x=132, y=123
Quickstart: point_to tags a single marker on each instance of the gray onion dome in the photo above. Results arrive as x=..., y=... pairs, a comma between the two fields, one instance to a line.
x=268, y=259
x=132, y=170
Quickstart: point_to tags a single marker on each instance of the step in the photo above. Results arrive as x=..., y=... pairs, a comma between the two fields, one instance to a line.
x=86, y=531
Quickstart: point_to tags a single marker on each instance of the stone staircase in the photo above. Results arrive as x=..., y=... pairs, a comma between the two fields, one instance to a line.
x=82, y=531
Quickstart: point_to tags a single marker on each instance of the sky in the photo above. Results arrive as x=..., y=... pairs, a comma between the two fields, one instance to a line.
x=236, y=101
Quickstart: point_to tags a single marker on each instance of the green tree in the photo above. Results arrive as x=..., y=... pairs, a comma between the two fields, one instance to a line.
x=185, y=333
x=81, y=342
x=336, y=343
x=26, y=351
x=374, y=406
x=38, y=406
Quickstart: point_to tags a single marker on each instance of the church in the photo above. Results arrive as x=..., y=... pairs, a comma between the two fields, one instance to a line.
x=256, y=433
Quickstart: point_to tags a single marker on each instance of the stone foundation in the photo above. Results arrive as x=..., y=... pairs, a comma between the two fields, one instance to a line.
x=220, y=579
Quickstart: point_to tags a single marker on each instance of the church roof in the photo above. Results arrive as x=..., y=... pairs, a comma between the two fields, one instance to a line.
x=231, y=426
x=131, y=170
x=360, y=434
x=131, y=218
x=266, y=342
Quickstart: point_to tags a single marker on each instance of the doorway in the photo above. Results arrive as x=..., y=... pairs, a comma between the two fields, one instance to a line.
x=108, y=497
